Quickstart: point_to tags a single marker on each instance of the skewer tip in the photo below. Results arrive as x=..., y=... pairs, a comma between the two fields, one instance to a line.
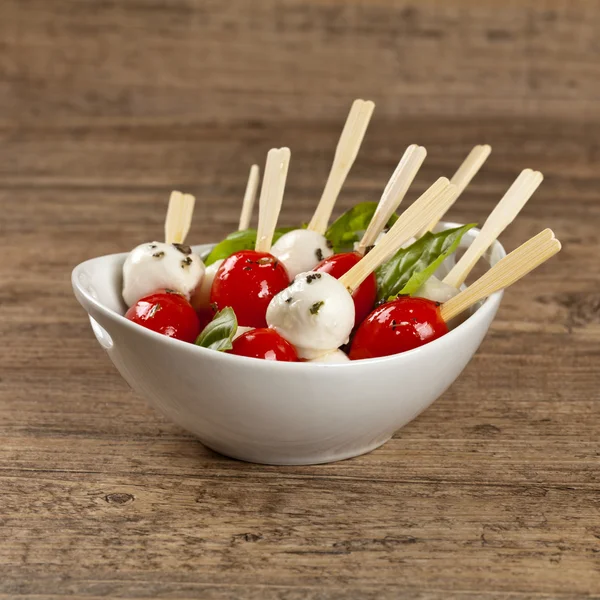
x=366, y=103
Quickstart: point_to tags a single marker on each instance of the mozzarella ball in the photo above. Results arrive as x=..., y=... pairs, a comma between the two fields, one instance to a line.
x=201, y=297
x=333, y=358
x=301, y=250
x=436, y=290
x=315, y=314
x=156, y=265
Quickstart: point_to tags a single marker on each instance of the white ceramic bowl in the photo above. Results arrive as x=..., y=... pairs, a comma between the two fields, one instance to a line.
x=276, y=413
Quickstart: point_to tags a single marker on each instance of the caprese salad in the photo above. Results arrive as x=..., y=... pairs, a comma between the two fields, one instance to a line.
x=362, y=287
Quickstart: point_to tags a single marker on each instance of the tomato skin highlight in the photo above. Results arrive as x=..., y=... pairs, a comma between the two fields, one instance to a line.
x=398, y=326
x=246, y=281
x=266, y=344
x=168, y=313
x=365, y=294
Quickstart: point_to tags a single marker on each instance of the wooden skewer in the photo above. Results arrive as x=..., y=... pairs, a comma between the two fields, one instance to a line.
x=465, y=173
x=433, y=202
x=249, y=198
x=470, y=167
x=179, y=217
x=505, y=212
x=393, y=194
x=345, y=154
x=504, y=273
x=271, y=196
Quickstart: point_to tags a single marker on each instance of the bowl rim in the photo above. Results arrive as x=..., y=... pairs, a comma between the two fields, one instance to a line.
x=489, y=305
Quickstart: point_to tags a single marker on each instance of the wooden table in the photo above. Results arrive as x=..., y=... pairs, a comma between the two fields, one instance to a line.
x=105, y=107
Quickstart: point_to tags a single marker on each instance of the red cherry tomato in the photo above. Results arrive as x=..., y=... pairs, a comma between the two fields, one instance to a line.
x=266, y=344
x=247, y=281
x=205, y=316
x=166, y=312
x=365, y=294
x=398, y=326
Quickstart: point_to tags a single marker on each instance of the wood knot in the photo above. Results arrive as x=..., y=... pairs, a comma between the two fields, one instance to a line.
x=583, y=308
x=246, y=537
x=486, y=429
x=119, y=498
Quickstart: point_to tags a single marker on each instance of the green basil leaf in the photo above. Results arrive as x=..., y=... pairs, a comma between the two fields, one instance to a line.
x=410, y=267
x=237, y=241
x=218, y=334
x=351, y=226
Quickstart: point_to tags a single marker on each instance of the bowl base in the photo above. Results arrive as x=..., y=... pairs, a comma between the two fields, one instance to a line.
x=316, y=459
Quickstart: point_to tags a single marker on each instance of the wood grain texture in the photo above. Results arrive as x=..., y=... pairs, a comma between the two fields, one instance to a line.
x=298, y=58
x=105, y=106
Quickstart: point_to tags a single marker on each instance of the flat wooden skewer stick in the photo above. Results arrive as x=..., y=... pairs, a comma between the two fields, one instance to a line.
x=179, y=217
x=271, y=196
x=433, y=202
x=504, y=273
x=345, y=154
x=505, y=212
x=465, y=173
x=393, y=194
x=470, y=167
x=249, y=198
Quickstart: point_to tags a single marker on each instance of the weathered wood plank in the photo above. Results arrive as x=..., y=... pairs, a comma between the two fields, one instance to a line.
x=226, y=525
x=76, y=58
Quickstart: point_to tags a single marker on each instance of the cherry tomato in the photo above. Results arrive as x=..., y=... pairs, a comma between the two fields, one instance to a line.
x=205, y=316
x=247, y=281
x=365, y=294
x=266, y=344
x=166, y=312
x=398, y=326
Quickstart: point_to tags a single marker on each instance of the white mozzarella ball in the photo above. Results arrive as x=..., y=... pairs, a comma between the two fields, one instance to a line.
x=201, y=297
x=301, y=250
x=333, y=358
x=315, y=314
x=157, y=265
x=436, y=290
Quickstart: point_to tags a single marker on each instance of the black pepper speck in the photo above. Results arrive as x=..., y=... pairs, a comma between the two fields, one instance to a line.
x=183, y=248
x=310, y=278
x=316, y=307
